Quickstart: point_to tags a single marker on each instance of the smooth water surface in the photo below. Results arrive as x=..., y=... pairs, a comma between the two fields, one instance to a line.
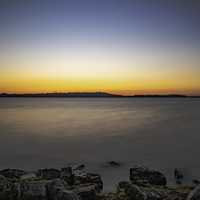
x=53, y=132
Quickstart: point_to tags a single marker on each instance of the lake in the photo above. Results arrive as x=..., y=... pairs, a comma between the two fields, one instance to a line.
x=161, y=133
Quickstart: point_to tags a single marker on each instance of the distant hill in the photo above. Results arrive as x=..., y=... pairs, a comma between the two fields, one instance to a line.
x=69, y=94
x=96, y=94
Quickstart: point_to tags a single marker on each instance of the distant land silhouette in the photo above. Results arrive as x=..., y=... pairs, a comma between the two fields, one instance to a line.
x=95, y=94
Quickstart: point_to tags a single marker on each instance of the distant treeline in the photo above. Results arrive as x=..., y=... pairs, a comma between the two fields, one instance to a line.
x=96, y=94
x=69, y=94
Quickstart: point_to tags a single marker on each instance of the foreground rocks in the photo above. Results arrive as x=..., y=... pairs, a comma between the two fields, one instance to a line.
x=195, y=194
x=49, y=184
x=72, y=183
x=147, y=184
x=142, y=175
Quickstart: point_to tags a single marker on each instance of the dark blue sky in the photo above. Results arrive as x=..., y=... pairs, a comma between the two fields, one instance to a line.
x=169, y=21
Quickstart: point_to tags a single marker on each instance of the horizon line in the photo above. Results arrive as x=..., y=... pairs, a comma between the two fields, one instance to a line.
x=91, y=94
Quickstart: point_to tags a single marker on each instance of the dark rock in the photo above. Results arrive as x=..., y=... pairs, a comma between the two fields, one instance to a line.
x=5, y=187
x=33, y=190
x=178, y=175
x=143, y=176
x=79, y=167
x=123, y=185
x=49, y=173
x=95, y=179
x=194, y=194
x=9, y=190
x=178, y=182
x=12, y=173
x=196, y=182
x=89, y=178
x=79, y=177
x=57, y=190
x=28, y=176
x=173, y=195
x=134, y=192
x=68, y=195
x=87, y=192
x=44, y=186
x=114, y=164
x=67, y=175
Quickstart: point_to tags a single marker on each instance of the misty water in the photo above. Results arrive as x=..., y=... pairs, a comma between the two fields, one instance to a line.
x=54, y=132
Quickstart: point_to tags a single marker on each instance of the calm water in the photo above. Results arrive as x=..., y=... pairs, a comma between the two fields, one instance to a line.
x=53, y=132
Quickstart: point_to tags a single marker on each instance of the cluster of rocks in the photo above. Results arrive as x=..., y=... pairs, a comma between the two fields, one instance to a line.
x=146, y=184
x=72, y=183
x=49, y=184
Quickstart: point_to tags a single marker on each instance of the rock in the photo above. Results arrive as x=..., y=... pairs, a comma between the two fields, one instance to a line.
x=175, y=196
x=143, y=176
x=95, y=179
x=67, y=175
x=128, y=191
x=138, y=193
x=123, y=185
x=79, y=177
x=194, y=194
x=12, y=173
x=49, y=173
x=33, y=190
x=57, y=190
x=79, y=167
x=89, y=178
x=87, y=192
x=9, y=190
x=69, y=195
x=5, y=187
x=114, y=164
x=15, y=191
x=44, y=186
x=196, y=182
x=178, y=175
x=134, y=192
x=28, y=176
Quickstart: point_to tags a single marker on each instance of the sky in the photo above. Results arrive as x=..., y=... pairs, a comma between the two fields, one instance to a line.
x=117, y=46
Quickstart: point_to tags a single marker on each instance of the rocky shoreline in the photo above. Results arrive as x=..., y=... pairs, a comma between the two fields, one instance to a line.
x=73, y=183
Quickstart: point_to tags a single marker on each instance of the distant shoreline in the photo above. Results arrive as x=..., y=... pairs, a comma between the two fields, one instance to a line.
x=93, y=95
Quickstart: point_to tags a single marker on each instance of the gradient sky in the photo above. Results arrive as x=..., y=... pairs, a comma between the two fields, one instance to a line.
x=119, y=46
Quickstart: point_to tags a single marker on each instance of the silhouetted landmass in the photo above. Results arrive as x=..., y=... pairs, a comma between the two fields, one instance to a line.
x=96, y=94
x=69, y=94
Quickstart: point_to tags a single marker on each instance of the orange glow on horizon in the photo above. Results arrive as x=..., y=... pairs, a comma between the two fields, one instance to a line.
x=121, y=86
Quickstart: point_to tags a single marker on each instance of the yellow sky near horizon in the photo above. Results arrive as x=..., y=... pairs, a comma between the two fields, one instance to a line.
x=128, y=72
x=122, y=83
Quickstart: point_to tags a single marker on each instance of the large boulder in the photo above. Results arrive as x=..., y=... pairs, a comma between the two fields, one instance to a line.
x=143, y=176
x=135, y=192
x=82, y=178
x=69, y=195
x=49, y=173
x=194, y=194
x=28, y=176
x=5, y=188
x=87, y=192
x=113, y=164
x=78, y=167
x=12, y=173
x=33, y=190
x=131, y=191
x=57, y=190
x=76, y=176
x=67, y=175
